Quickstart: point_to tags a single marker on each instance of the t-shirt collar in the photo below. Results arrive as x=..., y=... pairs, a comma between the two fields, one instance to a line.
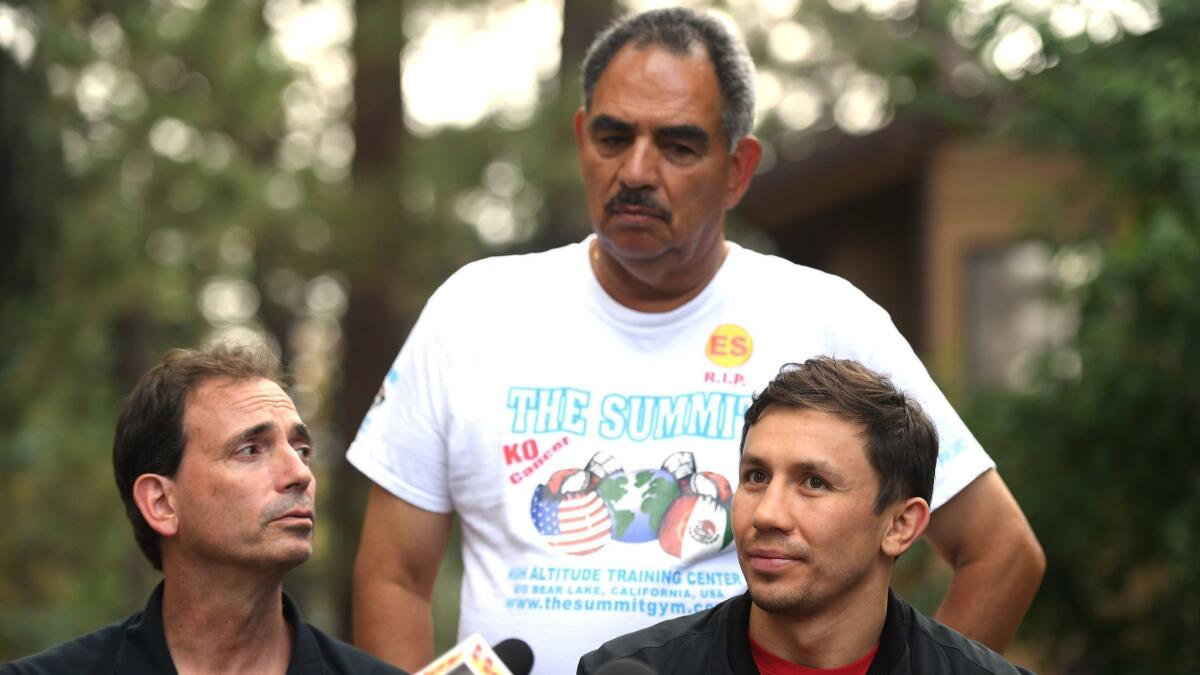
x=633, y=319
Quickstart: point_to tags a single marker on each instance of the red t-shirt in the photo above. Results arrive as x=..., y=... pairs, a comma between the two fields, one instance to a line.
x=769, y=664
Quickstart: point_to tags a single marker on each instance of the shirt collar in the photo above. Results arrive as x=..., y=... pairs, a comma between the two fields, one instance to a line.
x=144, y=647
x=306, y=655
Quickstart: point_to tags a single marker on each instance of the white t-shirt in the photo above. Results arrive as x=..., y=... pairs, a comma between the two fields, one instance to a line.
x=591, y=450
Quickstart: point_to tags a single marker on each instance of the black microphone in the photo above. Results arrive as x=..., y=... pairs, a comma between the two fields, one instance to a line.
x=473, y=656
x=516, y=654
x=625, y=667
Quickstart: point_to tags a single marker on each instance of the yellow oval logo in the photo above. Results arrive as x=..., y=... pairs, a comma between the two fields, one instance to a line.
x=729, y=346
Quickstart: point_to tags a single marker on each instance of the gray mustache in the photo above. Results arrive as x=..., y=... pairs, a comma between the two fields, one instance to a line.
x=640, y=198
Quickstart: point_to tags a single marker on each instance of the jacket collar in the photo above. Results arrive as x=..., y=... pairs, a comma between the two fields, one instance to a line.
x=892, y=644
x=143, y=647
x=741, y=660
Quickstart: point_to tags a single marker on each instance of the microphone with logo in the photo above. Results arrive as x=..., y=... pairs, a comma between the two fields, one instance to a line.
x=473, y=656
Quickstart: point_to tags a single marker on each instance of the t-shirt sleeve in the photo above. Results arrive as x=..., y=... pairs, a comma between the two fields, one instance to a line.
x=401, y=443
x=864, y=331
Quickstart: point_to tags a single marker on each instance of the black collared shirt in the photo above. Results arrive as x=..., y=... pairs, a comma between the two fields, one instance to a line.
x=139, y=645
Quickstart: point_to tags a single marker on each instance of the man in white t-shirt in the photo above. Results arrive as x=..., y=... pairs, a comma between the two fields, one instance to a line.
x=579, y=409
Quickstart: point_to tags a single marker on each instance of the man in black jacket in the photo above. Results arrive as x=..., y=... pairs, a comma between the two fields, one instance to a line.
x=835, y=480
x=211, y=459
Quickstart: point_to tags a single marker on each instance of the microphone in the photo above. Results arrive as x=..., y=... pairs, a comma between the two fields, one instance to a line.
x=516, y=654
x=473, y=656
x=625, y=667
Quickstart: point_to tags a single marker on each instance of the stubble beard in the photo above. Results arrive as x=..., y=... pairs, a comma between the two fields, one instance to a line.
x=811, y=596
x=785, y=601
x=273, y=546
x=777, y=596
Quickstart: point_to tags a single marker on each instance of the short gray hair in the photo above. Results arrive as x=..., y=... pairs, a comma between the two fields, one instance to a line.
x=677, y=29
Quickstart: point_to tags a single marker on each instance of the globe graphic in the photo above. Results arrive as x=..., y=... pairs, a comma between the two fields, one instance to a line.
x=637, y=502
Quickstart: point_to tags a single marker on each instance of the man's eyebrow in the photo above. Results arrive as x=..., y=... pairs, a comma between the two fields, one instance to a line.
x=751, y=461
x=609, y=123
x=250, y=434
x=814, y=467
x=302, y=431
x=683, y=132
x=803, y=466
x=299, y=429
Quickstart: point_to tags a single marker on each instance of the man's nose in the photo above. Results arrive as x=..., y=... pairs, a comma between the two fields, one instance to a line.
x=294, y=473
x=773, y=510
x=641, y=166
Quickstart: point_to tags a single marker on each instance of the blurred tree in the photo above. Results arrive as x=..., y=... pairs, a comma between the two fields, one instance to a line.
x=1102, y=452
x=174, y=169
x=375, y=241
x=142, y=195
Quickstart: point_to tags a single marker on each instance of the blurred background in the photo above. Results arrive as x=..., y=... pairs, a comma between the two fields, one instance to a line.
x=1016, y=181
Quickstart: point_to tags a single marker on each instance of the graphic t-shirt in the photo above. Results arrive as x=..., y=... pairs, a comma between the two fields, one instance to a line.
x=591, y=451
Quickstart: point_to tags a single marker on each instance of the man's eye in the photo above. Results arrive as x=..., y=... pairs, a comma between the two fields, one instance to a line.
x=612, y=141
x=815, y=483
x=681, y=152
x=755, y=476
x=305, y=452
x=248, y=450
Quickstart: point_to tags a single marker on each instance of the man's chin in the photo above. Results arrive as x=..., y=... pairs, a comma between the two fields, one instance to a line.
x=291, y=557
x=794, y=603
x=633, y=244
x=289, y=551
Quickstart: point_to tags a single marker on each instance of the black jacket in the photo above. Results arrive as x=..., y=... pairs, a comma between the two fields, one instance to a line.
x=717, y=641
x=139, y=645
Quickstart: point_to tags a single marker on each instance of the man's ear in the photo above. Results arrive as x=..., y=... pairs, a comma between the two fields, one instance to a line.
x=155, y=499
x=908, y=521
x=580, y=120
x=743, y=163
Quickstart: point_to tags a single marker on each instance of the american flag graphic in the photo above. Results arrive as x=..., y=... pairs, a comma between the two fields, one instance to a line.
x=577, y=524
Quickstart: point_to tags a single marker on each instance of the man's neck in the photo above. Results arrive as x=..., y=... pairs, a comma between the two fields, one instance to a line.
x=831, y=638
x=652, y=286
x=224, y=621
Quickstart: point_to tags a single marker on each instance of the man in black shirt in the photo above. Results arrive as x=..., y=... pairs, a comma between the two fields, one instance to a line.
x=212, y=462
x=835, y=480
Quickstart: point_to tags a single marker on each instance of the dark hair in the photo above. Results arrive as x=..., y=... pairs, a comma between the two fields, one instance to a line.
x=150, y=437
x=902, y=443
x=677, y=29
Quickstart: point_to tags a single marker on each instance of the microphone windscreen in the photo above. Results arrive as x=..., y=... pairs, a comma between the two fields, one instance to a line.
x=516, y=654
x=625, y=667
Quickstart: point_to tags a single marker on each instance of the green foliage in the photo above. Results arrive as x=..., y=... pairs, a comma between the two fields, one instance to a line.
x=109, y=242
x=1106, y=466
x=1104, y=462
x=1130, y=110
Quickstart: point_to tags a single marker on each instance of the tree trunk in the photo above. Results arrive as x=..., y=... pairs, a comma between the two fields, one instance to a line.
x=369, y=239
